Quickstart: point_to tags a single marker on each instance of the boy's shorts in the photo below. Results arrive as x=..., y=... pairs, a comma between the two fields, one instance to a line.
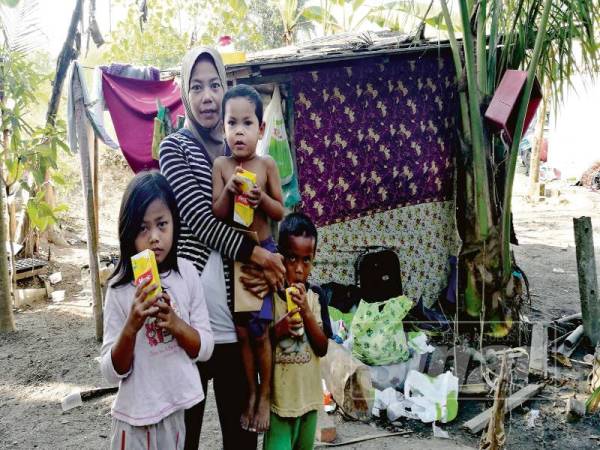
x=257, y=322
x=296, y=433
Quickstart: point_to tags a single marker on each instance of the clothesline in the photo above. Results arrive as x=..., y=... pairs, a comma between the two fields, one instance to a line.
x=160, y=70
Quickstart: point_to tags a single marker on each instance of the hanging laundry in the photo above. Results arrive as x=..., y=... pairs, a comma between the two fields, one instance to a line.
x=132, y=104
x=131, y=71
x=93, y=115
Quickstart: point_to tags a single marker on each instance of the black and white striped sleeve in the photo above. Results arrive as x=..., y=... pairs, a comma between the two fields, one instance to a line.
x=193, y=192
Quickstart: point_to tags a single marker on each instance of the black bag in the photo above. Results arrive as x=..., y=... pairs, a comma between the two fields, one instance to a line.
x=377, y=273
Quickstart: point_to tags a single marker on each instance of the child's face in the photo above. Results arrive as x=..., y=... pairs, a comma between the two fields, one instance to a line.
x=156, y=231
x=298, y=258
x=242, y=129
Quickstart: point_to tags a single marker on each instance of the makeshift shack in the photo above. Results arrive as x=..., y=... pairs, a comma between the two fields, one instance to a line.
x=372, y=123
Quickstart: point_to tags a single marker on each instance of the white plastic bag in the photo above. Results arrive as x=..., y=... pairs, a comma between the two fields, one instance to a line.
x=432, y=398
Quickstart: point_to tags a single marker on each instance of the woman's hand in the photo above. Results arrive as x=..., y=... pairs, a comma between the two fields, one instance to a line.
x=141, y=308
x=272, y=265
x=254, y=280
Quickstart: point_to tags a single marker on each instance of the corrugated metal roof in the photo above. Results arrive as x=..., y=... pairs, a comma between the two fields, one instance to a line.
x=340, y=47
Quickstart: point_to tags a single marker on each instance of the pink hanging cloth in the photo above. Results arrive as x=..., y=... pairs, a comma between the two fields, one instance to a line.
x=132, y=106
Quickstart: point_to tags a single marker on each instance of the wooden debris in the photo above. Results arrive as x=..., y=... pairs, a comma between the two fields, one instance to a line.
x=495, y=436
x=538, y=354
x=562, y=359
x=473, y=389
x=99, y=392
x=361, y=439
x=478, y=423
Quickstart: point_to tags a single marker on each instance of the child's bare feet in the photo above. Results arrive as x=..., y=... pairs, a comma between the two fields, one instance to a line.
x=262, y=417
x=247, y=417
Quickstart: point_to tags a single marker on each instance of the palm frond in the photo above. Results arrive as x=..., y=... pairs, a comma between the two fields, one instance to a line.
x=21, y=27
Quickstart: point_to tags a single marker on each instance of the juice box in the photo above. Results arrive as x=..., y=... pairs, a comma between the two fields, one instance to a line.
x=243, y=213
x=144, y=267
x=291, y=305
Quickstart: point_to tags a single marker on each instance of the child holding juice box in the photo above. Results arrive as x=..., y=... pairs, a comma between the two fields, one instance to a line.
x=152, y=338
x=299, y=342
x=237, y=180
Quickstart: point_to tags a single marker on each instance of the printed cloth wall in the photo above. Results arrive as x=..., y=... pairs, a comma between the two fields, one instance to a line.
x=374, y=147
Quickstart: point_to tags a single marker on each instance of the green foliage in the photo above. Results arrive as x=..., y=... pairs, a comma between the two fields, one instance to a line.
x=174, y=26
x=26, y=148
x=158, y=42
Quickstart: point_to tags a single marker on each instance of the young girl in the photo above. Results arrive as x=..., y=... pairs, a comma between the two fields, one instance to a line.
x=151, y=344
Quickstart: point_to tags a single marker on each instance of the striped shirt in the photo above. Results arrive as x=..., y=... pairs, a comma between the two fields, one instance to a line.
x=187, y=167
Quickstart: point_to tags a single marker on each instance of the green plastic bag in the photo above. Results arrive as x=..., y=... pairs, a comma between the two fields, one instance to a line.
x=274, y=141
x=378, y=332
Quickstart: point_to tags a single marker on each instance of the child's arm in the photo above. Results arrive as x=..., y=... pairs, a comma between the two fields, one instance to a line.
x=314, y=332
x=120, y=330
x=271, y=201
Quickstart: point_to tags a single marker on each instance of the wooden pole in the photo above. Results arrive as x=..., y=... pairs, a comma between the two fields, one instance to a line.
x=69, y=52
x=96, y=191
x=588, y=282
x=88, y=191
x=536, y=148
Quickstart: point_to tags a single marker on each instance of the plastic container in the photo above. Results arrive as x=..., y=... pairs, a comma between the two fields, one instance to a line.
x=228, y=52
x=73, y=400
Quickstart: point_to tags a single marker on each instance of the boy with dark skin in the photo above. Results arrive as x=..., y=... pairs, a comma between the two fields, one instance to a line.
x=298, y=343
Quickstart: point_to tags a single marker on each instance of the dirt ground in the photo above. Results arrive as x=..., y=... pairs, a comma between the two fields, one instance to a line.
x=54, y=351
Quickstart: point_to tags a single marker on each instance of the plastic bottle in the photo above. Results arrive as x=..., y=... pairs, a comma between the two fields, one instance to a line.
x=228, y=52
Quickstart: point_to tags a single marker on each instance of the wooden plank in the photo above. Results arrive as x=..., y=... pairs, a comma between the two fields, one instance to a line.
x=29, y=273
x=479, y=422
x=361, y=439
x=538, y=353
x=588, y=282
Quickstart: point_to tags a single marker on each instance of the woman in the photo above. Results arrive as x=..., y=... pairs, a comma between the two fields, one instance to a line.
x=186, y=159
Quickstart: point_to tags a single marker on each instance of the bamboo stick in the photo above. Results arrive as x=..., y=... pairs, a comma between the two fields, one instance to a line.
x=88, y=190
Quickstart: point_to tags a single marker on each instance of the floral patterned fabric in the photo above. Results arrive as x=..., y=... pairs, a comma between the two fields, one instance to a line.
x=374, y=136
x=423, y=236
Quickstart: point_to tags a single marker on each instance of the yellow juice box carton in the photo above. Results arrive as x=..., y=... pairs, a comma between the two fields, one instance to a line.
x=144, y=267
x=291, y=305
x=243, y=213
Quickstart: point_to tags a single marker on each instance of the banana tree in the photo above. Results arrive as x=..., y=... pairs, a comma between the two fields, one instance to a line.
x=550, y=39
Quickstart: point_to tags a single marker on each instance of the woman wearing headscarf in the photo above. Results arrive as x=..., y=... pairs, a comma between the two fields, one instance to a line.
x=186, y=160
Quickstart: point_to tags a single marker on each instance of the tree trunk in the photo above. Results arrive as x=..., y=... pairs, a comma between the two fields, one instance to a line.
x=536, y=148
x=7, y=322
x=66, y=56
